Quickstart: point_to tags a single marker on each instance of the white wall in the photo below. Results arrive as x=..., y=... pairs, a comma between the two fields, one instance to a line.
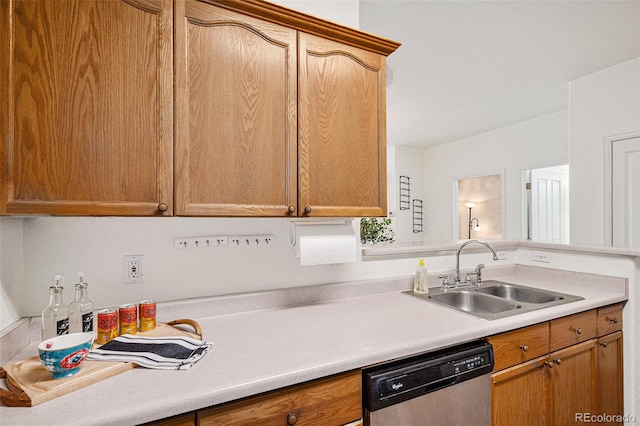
x=603, y=104
x=11, y=253
x=538, y=142
x=345, y=12
x=408, y=161
x=96, y=246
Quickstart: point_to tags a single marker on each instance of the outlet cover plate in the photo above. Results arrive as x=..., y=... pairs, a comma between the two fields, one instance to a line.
x=539, y=256
x=133, y=269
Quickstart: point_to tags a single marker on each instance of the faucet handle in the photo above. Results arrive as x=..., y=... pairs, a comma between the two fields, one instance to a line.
x=468, y=279
x=445, y=281
x=478, y=273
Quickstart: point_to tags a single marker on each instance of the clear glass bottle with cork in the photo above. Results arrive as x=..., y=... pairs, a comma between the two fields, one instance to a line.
x=55, y=317
x=81, y=309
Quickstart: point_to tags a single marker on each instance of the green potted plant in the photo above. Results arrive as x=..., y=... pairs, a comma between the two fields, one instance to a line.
x=374, y=230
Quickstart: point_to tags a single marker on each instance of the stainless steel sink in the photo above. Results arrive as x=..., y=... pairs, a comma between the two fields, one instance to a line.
x=496, y=299
x=518, y=293
x=472, y=302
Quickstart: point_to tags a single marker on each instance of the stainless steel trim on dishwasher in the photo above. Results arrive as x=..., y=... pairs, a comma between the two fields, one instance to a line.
x=446, y=387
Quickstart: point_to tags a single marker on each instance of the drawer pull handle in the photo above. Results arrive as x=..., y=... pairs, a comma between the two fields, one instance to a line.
x=577, y=330
x=558, y=361
x=613, y=320
x=292, y=419
x=548, y=364
x=603, y=344
x=524, y=348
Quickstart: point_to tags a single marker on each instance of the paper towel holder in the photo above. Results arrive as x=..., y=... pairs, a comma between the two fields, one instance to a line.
x=294, y=223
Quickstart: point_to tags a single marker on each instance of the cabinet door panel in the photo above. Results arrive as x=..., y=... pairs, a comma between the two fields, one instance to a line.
x=90, y=99
x=610, y=374
x=342, y=130
x=236, y=114
x=573, y=382
x=519, y=395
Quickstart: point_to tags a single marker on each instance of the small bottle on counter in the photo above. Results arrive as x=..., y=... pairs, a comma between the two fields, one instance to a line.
x=81, y=309
x=55, y=317
x=420, y=280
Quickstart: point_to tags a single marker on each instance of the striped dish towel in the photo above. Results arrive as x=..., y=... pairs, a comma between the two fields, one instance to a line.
x=166, y=353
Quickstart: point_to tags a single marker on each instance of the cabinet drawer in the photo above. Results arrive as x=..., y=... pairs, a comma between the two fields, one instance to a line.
x=520, y=345
x=609, y=319
x=188, y=419
x=573, y=329
x=331, y=401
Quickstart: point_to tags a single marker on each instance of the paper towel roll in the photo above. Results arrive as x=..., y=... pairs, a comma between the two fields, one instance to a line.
x=327, y=244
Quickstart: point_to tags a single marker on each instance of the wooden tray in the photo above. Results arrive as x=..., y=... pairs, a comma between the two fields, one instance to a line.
x=31, y=384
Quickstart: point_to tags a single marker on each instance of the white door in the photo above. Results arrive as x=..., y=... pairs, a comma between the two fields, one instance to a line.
x=549, y=204
x=625, y=192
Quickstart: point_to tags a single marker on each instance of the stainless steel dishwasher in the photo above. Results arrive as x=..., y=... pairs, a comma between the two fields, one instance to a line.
x=446, y=387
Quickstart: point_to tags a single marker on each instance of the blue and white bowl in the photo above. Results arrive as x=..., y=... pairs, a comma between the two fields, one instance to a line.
x=62, y=355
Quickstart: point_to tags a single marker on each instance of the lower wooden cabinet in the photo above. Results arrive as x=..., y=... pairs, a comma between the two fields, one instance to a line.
x=567, y=385
x=572, y=384
x=332, y=401
x=610, y=374
x=518, y=396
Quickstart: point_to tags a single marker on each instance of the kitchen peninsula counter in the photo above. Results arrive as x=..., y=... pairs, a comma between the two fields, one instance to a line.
x=268, y=340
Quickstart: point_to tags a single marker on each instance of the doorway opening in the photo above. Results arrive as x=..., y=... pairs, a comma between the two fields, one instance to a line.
x=622, y=190
x=546, y=212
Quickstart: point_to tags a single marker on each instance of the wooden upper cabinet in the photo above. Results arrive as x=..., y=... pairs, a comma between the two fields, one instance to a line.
x=277, y=113
x=235, y=113
x=342, y=130
x=89, y=99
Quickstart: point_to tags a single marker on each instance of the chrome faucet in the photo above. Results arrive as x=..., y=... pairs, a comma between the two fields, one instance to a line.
x=479, y=268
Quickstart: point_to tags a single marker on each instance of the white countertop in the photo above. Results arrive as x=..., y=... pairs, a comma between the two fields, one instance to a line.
x=260, y=350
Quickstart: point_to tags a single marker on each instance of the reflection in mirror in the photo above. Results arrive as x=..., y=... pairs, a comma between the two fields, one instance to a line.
x=547, y=204
x=480, y=207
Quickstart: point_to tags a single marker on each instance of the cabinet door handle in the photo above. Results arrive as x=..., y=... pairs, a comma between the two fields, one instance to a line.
x=524, y=348
x=548, y=364
x=558, y=361
x=292, y=419
x=577, y=330
x=613, y=320
x=291, y=209
x=163, y=207
x=603, y=344
x=307, y=210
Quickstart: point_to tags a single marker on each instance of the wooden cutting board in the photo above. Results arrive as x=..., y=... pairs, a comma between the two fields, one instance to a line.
x=31, y=384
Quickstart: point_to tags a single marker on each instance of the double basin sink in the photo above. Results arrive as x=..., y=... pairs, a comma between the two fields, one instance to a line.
x=496, y=299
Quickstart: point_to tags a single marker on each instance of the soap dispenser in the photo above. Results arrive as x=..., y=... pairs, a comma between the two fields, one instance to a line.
x=420, y=280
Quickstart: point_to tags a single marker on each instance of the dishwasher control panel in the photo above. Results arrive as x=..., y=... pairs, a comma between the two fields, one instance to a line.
x=400, y=380
x=471, y=363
